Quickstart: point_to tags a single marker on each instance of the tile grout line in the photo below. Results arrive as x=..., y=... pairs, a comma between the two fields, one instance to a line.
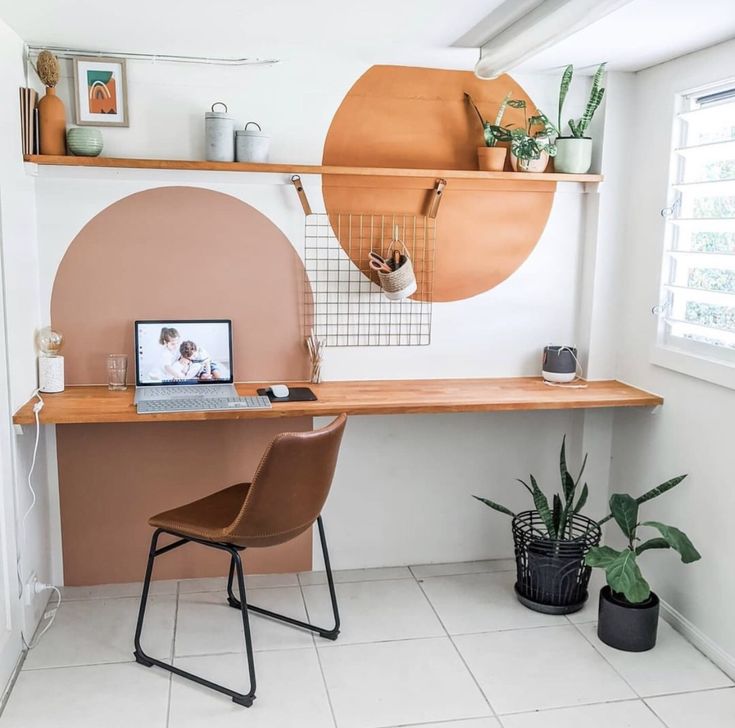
x=461, y=573
x=456, y=649
x=686, y=692
x=318, y=656
x=655, y=714
x=599, y=652
x=451, y=722
x=555, y=708
x=429, y=637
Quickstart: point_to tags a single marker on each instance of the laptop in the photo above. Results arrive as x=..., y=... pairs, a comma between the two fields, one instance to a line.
x=183, y=359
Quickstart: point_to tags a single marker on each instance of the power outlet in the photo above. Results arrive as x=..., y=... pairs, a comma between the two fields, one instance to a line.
x=29, y=590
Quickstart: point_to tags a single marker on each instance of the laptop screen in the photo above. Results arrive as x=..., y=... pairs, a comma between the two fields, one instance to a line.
x=183, y=352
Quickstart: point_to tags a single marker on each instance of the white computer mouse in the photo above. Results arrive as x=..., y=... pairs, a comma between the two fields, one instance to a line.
x=279, y=390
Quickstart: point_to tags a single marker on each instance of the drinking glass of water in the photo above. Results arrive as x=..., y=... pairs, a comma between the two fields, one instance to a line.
x=117, y=372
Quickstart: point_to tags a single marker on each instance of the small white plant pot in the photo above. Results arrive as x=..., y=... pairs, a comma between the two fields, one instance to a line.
x=573, y=156
x=558, y=377
x=529, y=165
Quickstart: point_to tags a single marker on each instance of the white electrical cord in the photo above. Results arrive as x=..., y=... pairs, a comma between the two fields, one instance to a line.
x=50, y=614
x=37, y=407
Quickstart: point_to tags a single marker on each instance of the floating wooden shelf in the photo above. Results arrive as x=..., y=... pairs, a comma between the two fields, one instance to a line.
x=96, y=404
x=183, y=164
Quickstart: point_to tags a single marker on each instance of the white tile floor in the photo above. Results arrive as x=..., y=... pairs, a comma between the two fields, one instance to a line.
x=439, y=646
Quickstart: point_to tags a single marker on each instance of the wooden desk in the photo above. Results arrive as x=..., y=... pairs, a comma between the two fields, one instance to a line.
x=96, y=404
x=114, y=472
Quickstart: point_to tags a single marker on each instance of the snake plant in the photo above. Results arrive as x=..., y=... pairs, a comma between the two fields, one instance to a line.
x=579, y=127
x=556, y=518
x=621, y=566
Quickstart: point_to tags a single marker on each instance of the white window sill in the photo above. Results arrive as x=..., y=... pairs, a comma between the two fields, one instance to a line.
x=694, y=365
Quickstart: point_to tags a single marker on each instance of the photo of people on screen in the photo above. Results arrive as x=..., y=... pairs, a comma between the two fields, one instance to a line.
x=183, y=352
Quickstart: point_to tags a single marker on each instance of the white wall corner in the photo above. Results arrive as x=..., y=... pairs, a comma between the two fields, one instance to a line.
x=605, y=228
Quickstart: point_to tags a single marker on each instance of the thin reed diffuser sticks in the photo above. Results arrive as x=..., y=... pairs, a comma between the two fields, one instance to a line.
x=316, y=354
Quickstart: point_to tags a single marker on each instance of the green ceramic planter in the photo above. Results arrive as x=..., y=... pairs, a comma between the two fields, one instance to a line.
x=84, y=141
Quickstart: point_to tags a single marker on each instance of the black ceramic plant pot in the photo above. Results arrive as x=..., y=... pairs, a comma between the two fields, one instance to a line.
x=626, y=626
x=551, y=574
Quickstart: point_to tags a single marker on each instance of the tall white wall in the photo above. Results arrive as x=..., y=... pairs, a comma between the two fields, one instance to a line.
x=436, y=462
x=694, y=431
x=21, y=303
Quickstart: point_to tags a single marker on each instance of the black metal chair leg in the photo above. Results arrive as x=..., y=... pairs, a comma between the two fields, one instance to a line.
x=245, y=699
x=330, y=634
x=139, y=655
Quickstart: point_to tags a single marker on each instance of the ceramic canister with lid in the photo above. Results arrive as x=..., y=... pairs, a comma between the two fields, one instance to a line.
x=219, y=128
x=251, y=144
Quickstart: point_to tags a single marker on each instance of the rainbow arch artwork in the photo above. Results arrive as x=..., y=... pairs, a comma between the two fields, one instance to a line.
x=102, y=92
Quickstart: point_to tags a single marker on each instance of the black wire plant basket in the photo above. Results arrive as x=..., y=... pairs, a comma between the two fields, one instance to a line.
x=551, y=574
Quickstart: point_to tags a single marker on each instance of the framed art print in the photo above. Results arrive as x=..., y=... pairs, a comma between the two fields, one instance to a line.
x=101, y=97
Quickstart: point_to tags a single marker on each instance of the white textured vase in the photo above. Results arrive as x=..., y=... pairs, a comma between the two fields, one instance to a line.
x=529, y=165
x=573, y=156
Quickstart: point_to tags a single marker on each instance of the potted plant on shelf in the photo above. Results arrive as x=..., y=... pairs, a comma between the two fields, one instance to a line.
x=551, y=543
x=531, y=146
x=628, y=616
x=574, y=153
x=491, y=157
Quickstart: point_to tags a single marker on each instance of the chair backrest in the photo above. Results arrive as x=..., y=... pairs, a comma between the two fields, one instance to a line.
x=289, y=487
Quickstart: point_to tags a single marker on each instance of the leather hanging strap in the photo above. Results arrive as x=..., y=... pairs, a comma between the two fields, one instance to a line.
x=436, y=198
x=296, y=181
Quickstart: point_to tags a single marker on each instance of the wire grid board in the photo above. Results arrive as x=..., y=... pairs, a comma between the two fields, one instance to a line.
x=345, y=305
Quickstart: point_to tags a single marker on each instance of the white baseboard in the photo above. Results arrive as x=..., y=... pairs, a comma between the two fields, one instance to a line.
x=704, y=644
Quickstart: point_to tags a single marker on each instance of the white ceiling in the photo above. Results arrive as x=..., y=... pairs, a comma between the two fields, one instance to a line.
x=640, y=34
x=242, y=27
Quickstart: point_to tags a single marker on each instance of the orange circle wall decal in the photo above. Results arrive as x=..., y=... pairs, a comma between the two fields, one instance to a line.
x=396, y=116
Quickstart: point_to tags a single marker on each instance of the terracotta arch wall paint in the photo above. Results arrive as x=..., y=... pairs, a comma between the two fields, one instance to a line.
x=396, y=116
x=178, y=252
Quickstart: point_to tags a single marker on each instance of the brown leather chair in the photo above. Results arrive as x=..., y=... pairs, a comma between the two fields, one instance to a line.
x=284, y=499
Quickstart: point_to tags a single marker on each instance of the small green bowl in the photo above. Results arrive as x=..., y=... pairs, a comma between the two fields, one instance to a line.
x=84, y=141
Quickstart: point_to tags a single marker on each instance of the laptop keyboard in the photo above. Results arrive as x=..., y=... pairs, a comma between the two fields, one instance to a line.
x=203, y=404
x=185, y=391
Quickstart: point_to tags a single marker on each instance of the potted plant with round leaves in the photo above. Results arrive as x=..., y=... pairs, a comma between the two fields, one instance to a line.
x=530, y=146
x=574, y=153
x=491, y=157
x=628, y=615
x=550, y=544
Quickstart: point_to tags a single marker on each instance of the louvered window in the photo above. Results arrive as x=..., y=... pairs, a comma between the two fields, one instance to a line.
x=697, y=311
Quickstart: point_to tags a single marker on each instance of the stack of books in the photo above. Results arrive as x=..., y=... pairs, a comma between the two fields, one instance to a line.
x=29, y=120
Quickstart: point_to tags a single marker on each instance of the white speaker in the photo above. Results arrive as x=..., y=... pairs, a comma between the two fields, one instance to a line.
x=51, y=374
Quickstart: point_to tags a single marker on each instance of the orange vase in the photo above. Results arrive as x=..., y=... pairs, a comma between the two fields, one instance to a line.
x=52, y=123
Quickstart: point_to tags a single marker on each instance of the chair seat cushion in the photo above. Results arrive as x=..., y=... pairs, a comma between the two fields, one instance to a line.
x=207, y=518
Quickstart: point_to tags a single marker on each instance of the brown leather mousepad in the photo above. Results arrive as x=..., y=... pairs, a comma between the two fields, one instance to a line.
x=295, y=394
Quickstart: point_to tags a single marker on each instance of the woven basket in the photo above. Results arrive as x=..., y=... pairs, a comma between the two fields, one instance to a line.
x=400, y=283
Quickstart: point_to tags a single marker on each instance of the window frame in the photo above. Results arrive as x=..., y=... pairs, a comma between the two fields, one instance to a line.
x=693, y=358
